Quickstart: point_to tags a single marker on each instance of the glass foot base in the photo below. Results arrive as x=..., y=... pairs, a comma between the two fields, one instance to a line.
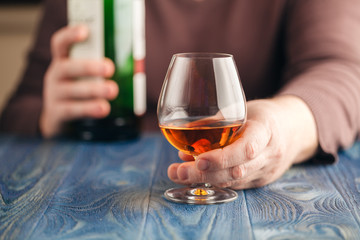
x=203, y=194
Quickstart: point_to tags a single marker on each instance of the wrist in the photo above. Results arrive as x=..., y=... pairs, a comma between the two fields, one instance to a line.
x=299, y=126
x=45, y=130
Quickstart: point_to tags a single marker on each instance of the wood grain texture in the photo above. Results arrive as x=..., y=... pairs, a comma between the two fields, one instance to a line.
x=167, y=220
x=105, y=195
x=73, y=190
x=303, y=204
x=30, y=173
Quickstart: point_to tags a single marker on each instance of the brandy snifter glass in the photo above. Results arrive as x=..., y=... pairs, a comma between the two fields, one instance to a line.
x=201, y=107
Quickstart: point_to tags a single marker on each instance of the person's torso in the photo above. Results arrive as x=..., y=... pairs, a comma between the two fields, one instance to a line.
x=250, y=30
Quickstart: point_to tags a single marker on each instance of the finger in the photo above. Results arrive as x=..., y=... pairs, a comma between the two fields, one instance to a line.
x=87, y=88
x=247, y=183
x=77, y=68
x=185, y=157
x=255, y=181
x=265, y=174
x=253, y=141
x=187, y=173
x=65, y=37
x=172, y=172
x=249, y=168
x=70, y=110
x=178, y=172
x=244, y=173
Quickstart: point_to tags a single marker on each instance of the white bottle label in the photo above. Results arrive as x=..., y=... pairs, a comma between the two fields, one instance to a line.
x=92, y=15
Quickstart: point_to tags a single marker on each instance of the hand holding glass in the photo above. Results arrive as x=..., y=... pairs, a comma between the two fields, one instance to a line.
x=201, y=107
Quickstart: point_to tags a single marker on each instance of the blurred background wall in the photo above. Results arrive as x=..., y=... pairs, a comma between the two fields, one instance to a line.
x=18, y=21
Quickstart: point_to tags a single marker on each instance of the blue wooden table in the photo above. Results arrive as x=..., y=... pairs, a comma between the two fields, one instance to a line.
x=74, y=190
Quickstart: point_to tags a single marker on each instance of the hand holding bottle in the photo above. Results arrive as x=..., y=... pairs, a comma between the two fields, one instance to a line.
x=65, y=96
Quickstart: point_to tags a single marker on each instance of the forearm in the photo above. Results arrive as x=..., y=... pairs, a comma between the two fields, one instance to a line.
x=331, y=90
x=323, y=68
x=21, y=115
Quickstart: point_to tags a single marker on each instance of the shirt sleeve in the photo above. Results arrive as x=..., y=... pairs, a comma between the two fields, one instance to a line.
x=323, y=56
x=22, y=112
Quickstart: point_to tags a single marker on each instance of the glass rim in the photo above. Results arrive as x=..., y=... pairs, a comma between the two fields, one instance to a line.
x=203, y=55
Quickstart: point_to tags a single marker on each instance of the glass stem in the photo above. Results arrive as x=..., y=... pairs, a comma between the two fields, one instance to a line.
x=201, y=189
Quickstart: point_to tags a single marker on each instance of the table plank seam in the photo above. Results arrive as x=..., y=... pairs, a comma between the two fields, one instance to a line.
x=152, y=177
x=248, y=213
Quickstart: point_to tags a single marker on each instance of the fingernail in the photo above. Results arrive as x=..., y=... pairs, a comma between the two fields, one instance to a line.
x=106, y=69
x=203, y=164
x=108, y=91
x=100, y=109
x=183, y=173
x=82, y=32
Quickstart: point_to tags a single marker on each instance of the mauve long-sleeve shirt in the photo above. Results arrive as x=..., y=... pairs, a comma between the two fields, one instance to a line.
x=306, y=48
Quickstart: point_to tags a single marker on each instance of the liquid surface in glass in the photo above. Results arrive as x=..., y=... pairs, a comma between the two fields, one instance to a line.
x=196, y=137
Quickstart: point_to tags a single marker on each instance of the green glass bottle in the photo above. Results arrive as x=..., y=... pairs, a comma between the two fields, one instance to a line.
x=116, y=32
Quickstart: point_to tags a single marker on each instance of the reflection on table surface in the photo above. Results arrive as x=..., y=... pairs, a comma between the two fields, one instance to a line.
x=73, y=190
